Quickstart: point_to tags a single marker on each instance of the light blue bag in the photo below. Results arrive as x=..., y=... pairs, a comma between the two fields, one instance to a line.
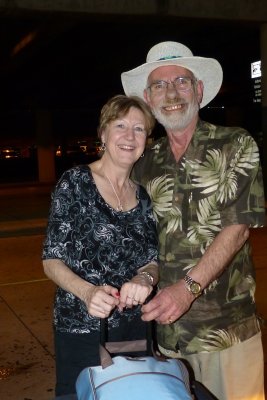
x=125, y=378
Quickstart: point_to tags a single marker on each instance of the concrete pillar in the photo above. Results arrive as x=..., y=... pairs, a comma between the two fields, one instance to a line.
x=45, y=147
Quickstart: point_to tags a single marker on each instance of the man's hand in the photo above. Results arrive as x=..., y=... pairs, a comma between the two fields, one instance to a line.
x=169, y=304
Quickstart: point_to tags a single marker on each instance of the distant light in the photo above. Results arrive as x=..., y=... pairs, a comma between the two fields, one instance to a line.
x=24, y=42
x=256, y=69
x=217, y=107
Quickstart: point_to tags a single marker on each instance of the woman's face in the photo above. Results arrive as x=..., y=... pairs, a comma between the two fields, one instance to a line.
x=125, y=138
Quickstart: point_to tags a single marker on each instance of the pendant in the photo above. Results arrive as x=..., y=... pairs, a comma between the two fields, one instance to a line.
x=120, y=208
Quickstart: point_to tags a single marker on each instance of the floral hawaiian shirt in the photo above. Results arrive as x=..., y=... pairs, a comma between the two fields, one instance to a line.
x=98, y=243
x=217, y=182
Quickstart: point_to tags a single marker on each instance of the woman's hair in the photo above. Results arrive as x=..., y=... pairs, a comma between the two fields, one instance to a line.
x=118, y=106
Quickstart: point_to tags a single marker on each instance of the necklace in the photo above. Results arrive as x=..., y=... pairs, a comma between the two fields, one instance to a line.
x=119, y=206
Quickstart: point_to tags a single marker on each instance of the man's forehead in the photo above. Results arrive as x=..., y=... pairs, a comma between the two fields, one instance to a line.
x=169, y=70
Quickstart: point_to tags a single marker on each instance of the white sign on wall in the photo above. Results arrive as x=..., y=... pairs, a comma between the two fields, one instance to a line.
x=256, y=78
x=256, y=69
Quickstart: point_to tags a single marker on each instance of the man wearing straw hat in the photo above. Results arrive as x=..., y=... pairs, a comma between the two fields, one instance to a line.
x=205, y=182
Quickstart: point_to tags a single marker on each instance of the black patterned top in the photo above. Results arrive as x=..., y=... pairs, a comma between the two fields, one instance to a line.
x=98, y=243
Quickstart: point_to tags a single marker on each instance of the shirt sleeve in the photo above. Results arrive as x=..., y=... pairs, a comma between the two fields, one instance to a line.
x=245, y=203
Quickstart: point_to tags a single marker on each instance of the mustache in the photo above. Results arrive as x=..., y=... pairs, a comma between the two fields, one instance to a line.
x=171, y=102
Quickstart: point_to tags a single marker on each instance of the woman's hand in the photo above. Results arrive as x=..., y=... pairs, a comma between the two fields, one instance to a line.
x=134, y=292
x=101, y=300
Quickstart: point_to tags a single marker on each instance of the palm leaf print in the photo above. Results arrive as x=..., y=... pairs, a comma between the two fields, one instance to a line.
x=175, y=220
x=219, y=340
x=207, y=174
x=213, y=176
x=247, y=157
x=209, y=222
x=160, y=191
x=207, y=213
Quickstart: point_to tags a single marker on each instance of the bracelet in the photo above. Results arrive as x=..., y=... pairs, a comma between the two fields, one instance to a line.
x=148, y=275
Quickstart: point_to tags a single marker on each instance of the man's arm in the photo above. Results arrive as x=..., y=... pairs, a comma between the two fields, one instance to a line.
x=173, y=301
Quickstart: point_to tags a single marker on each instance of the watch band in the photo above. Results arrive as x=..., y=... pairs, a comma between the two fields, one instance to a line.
x=148, y=275
x=192, y=286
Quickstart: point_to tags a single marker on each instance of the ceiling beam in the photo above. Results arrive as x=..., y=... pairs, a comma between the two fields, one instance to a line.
x=248, y=10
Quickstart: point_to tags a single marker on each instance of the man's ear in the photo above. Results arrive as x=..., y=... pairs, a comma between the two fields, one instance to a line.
x=200, y=90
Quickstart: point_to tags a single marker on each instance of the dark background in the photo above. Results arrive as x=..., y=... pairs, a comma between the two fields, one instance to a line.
x=70, y=64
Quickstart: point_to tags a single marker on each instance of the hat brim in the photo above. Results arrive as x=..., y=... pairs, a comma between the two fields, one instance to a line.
x=208, y=70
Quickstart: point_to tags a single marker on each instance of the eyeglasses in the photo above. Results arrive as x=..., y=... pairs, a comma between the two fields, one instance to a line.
x=181, y=83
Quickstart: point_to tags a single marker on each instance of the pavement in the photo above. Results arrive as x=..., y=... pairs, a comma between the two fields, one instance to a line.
x=26, y=296
x=27, y=369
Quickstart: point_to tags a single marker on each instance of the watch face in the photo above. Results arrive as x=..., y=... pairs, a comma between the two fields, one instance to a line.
x=195, y=288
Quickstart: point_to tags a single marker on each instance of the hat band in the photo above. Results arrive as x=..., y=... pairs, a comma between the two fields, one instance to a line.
x=168, y=58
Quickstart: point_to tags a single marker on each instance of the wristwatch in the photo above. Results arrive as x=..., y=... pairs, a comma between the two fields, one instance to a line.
x=148, y=275
x=192, y=286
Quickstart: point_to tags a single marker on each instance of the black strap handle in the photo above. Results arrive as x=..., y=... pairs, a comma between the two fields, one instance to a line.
x=129, y=346
x=103, y=333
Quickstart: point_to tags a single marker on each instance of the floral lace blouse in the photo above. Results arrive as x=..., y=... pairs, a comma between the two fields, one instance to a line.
x=98, y=243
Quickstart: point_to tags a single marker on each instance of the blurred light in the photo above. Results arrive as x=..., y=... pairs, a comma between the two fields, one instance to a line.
x=23, y=43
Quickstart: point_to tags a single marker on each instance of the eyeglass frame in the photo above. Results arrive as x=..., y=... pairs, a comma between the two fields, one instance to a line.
x=166, y=84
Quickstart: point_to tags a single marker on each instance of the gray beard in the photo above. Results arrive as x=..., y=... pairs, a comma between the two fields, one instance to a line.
x=179, y=120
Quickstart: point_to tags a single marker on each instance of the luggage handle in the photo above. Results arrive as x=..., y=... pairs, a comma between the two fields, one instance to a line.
x=127, y=345
x=105, y=348
x=106, y=359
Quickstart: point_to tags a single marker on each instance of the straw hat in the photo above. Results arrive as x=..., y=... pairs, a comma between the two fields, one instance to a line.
x=208, y=70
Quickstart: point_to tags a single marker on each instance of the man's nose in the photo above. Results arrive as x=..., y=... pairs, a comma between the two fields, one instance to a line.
x=171, y=90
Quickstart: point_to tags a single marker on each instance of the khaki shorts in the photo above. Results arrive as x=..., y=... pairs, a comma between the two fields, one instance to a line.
x=236, y=373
